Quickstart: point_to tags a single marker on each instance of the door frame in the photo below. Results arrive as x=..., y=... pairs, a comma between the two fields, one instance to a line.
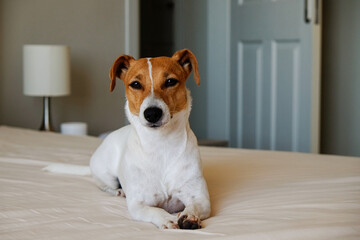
x=132, y=27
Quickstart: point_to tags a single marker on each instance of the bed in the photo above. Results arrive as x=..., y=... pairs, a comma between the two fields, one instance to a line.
x=254, y=194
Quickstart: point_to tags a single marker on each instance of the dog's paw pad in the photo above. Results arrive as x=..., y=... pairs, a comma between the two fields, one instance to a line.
x=170, y=225
x=120, y=193
x=189, y=222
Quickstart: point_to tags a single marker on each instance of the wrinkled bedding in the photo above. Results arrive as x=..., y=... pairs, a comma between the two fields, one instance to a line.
x=254, y=194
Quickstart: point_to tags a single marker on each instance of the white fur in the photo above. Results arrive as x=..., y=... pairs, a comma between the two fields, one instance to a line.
x=150, y=75
x=159, y=168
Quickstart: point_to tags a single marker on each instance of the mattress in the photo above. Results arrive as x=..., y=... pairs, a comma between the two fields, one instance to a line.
x=254, y=194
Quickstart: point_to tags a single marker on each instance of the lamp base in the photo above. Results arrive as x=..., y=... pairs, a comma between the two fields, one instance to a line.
x=46, y=122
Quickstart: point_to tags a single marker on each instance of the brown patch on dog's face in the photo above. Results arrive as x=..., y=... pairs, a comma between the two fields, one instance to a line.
x=169, y=75
x=169, y=83
x=137, y=73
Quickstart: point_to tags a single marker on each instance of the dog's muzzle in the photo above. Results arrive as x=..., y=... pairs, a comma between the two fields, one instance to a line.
x=153, y=115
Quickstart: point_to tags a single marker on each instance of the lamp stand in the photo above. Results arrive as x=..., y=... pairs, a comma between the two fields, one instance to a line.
x=46, y=124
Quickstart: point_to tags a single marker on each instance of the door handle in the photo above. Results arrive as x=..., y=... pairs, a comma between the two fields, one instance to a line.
x=309, y=5
x=307, y=11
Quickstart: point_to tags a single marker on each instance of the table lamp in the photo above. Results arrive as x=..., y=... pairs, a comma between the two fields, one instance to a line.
x=46, y=70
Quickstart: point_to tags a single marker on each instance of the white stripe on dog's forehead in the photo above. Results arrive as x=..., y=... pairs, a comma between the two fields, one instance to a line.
x=150, y=74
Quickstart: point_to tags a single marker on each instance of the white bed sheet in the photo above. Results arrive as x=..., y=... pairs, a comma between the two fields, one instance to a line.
x=254, y=194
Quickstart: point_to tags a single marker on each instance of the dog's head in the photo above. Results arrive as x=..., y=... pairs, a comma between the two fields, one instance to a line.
x=155, y=87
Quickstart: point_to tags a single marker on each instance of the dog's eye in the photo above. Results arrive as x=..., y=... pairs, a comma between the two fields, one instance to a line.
x=170, y=82
x=135, y=85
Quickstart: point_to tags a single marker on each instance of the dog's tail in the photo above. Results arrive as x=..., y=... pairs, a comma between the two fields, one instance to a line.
x=70, y=169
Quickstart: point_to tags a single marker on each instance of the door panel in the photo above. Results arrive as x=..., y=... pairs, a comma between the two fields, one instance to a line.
x=250, y=78
x=286, y=57
x=270, y=62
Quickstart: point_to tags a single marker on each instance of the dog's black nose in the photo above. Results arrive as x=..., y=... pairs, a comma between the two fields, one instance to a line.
x=153, y=114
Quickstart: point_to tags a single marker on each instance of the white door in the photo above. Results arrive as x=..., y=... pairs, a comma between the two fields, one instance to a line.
x=275, y=65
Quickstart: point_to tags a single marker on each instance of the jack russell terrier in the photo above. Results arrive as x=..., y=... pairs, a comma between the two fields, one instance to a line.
x=155, y=160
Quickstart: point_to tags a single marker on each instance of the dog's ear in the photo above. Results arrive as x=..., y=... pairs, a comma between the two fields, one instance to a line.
x=119, y=69
x=188, y=62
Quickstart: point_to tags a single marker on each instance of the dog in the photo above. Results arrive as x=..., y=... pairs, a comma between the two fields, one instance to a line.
x=155, y=161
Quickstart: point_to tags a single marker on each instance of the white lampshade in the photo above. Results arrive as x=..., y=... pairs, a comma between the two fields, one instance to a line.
x=46, y=70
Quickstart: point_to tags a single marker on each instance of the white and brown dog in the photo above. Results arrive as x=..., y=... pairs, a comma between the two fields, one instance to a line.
x=155, y=160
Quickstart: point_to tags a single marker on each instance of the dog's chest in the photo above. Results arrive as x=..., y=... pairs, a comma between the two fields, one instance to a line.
x=158, y=185
x=157, y=177
x=168, y=202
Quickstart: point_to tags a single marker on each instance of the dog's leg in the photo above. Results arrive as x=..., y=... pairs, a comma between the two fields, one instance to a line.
x=158, y=216
x=111, y=186
x=116, y=192
x=197, y=204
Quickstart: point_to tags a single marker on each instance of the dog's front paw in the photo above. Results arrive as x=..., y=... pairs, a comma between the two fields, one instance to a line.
x=189, y=222
x=169, y=225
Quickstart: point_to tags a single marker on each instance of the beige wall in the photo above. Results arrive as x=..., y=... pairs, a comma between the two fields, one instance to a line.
x=94, y=30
